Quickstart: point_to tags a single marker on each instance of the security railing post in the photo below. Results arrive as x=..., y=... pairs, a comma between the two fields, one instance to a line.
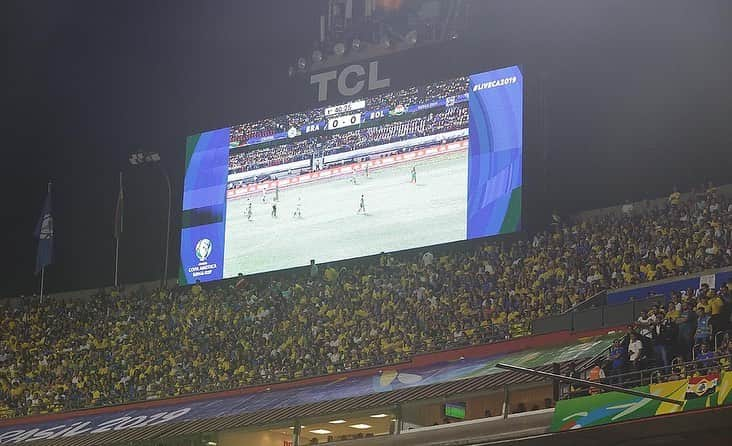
x=602, y=314
x=296, y=433
x=399, y=420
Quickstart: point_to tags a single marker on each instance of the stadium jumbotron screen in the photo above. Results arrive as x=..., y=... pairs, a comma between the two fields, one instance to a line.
x=419, y=166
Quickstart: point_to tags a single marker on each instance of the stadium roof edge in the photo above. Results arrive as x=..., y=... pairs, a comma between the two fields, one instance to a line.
x=274, y=416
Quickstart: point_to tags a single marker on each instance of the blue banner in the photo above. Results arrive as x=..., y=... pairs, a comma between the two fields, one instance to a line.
x=376, y=114
x=425, y=106
x=261, y=139
x=456, y=99
x=310, y=128
x=664, y=287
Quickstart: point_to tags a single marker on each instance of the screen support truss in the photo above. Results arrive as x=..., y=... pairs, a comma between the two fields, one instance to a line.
x=588, y=383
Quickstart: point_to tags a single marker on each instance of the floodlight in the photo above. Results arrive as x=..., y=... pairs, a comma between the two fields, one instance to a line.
x=411, y=37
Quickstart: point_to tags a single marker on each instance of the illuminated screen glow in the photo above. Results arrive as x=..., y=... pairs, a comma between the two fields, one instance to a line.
x=455, y=410
x=420, y=166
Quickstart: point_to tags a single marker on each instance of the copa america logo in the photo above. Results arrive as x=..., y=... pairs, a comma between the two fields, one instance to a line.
x=203, y=249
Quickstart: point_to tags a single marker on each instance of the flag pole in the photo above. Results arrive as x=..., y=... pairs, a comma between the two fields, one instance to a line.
x=118, y=231
x=43, y=269
x=116, y=263
x=43, y=276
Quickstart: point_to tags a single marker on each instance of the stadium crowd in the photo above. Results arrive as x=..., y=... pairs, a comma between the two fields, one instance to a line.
x=419, y=95
x=121, y=346
x=451, y=118
x=686, y=334
x=240, y=134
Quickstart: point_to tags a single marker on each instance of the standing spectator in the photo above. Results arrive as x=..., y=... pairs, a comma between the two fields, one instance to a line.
x=617, y=357
x=703, y=332
x=663, y=340
x=596, y=373
x=687, y=324
x=645, y=322
x=635, y=347
x=717, y=310
x=673, y=312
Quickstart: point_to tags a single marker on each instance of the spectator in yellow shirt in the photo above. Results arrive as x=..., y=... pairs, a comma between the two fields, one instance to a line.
x=674, y=198
x=716, y=305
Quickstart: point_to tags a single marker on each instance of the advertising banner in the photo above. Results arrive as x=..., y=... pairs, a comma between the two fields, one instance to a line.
x=698, y=392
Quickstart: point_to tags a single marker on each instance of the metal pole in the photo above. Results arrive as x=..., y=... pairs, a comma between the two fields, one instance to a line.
x=296, y=433
x=556, y=369
x=164, y=281
x=43, y=269
x=588, y=383
x=43, y=276
x=116, y=263
x=399, y=423
x=118, y=233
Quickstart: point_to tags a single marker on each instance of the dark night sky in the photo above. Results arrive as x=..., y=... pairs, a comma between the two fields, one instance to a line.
x=637, y=100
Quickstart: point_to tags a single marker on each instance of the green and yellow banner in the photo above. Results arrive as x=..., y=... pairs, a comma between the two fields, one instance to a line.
x=696, y=392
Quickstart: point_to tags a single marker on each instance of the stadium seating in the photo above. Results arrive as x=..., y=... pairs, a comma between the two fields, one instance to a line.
x=410, y=96
x=452, y=118
x=668, y=342
x=121, y=346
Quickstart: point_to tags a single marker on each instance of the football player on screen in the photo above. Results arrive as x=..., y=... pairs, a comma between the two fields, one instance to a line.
x=361, y=206
x=298, y=209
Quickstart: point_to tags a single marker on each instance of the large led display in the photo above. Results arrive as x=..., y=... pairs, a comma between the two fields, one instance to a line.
x=420, y=166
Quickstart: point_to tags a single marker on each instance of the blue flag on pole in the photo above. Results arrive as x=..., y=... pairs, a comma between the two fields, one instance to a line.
x=44, y=234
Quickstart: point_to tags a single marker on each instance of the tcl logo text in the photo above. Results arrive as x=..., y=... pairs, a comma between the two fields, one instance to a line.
x=351, y=80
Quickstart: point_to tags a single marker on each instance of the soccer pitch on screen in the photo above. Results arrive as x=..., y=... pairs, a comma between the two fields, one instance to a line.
x=414, y=167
